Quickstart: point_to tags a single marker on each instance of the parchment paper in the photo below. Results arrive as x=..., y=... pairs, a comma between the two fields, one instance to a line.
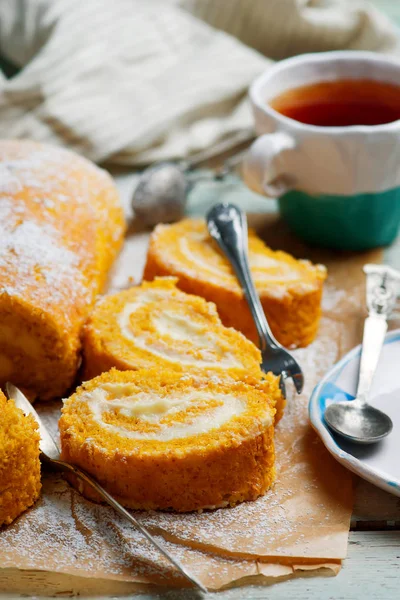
x=302, y=523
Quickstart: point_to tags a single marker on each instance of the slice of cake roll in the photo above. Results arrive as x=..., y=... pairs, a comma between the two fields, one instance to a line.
x=156, y=324
x=290, y=290
x=19, y=461
x=61, y=226
x=158, y=440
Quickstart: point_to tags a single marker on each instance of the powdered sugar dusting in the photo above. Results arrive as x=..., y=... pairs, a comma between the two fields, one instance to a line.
x=31, y=165
x=75, y=534
x=78, y=537
x=32, y=254
x=31, y=248
x=37, y=260
x=9, y=183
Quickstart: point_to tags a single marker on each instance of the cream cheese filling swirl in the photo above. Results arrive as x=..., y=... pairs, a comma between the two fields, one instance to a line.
x=175, y=329
x=149, y=416
x=266, y=269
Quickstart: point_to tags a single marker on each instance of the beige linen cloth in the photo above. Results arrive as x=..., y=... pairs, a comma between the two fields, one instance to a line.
x=132, y=81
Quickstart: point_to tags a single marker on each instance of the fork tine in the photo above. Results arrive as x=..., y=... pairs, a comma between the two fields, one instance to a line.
x=298, y=380
x=282, y=385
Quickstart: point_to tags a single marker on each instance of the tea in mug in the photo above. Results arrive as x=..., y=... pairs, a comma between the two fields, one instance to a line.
x=341, y=103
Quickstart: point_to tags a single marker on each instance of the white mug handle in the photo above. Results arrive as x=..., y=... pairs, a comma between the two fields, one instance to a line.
x=262, y=169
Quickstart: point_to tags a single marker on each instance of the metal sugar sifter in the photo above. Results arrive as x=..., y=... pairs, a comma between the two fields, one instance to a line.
x=161, y=193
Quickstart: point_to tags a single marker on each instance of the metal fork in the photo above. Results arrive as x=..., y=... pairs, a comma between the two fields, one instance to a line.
x=50, y=454
x=227, y=225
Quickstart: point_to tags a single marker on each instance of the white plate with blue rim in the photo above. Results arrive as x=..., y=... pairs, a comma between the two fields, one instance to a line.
x=378, y=463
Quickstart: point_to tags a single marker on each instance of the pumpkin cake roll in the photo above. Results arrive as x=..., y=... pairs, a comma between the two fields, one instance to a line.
x=19, y=461
x=156, y=324
x=162, y=440
x=290, y=290
x=61, y=226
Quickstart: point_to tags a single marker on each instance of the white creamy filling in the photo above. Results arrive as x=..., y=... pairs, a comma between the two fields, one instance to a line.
x=178, y=327
x=198, y=261
x=151, y=408
x=258, y=262
x=281, y=271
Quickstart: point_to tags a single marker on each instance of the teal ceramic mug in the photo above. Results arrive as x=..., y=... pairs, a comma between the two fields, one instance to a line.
x=337, y=187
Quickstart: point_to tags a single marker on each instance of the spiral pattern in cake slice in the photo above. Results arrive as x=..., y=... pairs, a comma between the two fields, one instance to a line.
x=160, y=440
x=156, y=323
x=290, y=290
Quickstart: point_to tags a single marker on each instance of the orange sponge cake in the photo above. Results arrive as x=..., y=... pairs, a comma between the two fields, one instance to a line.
x=19, y=461
x=290, y=289
x=61, y=226
x=156, y=324
x=160, y=440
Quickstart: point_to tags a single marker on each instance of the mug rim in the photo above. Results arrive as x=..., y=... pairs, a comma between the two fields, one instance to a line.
x=316, y=57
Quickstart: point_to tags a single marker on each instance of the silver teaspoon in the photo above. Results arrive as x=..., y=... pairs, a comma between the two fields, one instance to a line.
x=356, y=420
x=227, y=224
x=161, y=193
